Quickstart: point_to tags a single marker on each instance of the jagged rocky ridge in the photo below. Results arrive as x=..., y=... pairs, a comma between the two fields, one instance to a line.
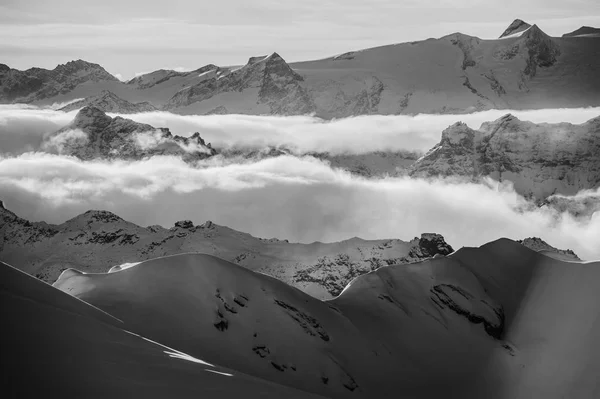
x=97, y=241
x=93, y=134
x=539, y=159
x=278, y=87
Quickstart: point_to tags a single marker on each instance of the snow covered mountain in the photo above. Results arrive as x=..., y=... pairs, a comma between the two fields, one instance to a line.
x=39, y=84
x=524, y=69
x=481, y=322
x=584, y=31
x=93, y=134
x=540, y=159
x=97, y=241
x=266, y=84
x=109, y=102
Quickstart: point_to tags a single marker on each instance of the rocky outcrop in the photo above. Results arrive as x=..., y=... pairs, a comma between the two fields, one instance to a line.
x=93, y=134
x=540, y=159
x=334, y=273
x=539, y=245
x=278, y=86
x=38, y=83
x=107, y=101
x=515, y=27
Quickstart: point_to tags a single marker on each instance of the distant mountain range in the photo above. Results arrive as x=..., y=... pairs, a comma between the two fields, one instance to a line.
x=524, y=69
x=99, y=241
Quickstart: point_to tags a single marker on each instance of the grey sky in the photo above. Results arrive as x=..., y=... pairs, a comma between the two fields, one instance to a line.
x=129, y=37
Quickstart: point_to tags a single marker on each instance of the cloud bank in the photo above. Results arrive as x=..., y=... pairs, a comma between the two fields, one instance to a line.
x=22, y=128
x=295, y=198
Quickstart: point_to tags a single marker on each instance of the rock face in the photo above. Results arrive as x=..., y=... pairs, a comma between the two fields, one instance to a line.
x=38, y=83
x=515, y=27
x=97, y=241
x=586, y=31
x=539, y=245
x=93, y=134
x=539, y=159
x=107, y=101
x=277, y=84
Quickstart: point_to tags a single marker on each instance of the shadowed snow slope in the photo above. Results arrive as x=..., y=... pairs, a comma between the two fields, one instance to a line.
x=55, y=345
x=499, y=321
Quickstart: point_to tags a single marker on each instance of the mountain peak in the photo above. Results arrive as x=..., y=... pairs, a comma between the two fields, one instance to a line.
x=91, y=116
x=518, y=25
x=92, y=69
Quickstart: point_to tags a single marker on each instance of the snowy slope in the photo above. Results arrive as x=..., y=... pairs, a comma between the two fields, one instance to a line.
x=540, y=159
x=55, y=345
x=499, y=321
x=97, y=241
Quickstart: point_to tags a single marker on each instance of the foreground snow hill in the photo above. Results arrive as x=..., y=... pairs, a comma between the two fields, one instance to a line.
x=97, y=241
x=524, y=69
x=498, y=321
x=540, y=159
x=95, y=135
x=56, y=345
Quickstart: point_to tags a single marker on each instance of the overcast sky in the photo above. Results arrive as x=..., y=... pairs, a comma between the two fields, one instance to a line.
x=133, y=36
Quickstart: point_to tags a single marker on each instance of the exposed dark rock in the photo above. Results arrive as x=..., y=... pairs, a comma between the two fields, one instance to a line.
x=442, y=297
x=515, y=27
x=184, y=224
x=308, y=323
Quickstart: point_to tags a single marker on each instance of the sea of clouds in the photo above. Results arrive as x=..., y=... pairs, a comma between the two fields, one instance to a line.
x=289, y=197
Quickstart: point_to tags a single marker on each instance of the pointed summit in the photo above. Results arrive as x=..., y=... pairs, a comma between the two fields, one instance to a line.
x=516, y=26
x=91, y=116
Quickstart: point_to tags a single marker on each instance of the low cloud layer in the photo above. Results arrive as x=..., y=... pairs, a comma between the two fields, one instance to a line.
x=294, y=198
x=22, y=128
